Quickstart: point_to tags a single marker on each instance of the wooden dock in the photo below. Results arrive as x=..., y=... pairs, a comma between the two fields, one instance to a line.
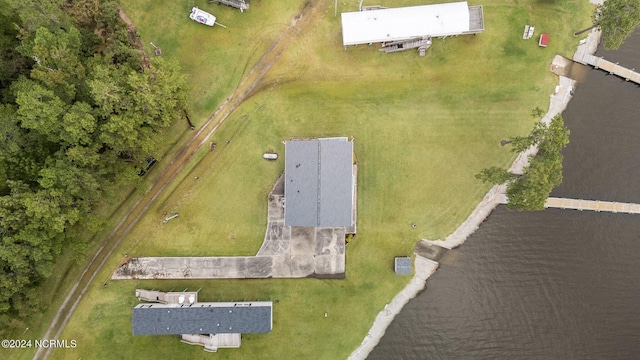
x=605, y=65
x=593, y=205
x=579, y=204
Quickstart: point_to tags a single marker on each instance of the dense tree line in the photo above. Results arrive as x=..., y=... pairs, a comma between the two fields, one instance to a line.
x=530, y=190
x=81, y=107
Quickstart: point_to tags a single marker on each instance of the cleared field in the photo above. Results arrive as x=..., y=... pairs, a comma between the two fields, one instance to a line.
x=422, y=127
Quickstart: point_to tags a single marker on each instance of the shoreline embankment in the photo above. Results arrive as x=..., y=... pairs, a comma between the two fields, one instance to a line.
x=495, y=196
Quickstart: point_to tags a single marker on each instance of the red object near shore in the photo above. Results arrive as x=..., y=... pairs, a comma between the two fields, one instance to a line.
x=544, y=40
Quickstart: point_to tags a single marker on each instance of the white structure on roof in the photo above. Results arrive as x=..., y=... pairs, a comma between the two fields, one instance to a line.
x=397, y=24
x=202, y=17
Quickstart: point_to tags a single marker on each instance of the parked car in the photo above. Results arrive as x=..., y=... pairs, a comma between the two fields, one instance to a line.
x=150, y=162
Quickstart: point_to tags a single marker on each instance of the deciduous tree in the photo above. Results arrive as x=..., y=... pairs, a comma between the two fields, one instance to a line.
x=530, y=190
x=617, y=19
x=78, y=115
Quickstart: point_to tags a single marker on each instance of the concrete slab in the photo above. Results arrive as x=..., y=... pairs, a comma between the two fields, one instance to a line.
x=330, y=241
x=561, y=66
x=326, y=265
x=287, y=252
x=301, y=265
x=274, y=247
x=276, y=209
x=428, y=250
x=282, y=266
x=304, y=242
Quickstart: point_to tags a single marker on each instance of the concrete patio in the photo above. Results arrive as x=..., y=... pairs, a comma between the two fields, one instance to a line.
x=287, y=252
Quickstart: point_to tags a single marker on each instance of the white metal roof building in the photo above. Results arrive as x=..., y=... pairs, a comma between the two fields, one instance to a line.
x=386, y=25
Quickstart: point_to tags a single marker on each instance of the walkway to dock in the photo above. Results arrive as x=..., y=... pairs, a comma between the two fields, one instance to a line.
x=584, y=56
x=594, y=205
x=591, y=205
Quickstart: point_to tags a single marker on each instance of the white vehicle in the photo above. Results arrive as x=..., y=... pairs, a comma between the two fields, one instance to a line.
x=202, y=17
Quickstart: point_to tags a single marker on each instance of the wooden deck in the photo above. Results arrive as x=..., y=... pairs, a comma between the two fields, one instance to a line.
x=420, y=43
x=238, y=4
x=605, y=65
x=593, y=205
x=212, y=343
x=184, y=297
x=590, y=205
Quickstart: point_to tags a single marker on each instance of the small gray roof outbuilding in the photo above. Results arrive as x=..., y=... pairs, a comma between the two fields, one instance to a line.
x=202, y=318
x=319, y=182
x=402, y=265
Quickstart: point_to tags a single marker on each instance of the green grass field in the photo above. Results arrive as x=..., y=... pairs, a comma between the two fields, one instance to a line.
x=422, y=128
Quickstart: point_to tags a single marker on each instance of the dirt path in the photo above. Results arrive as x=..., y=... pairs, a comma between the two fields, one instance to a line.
x=298, y=25
x=133, y=36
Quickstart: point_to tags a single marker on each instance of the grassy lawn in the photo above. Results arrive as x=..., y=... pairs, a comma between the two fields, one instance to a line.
x=422, y=127
x=215, y=59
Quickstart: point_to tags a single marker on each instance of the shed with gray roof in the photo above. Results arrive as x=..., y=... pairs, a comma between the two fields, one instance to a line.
x=202, y=318
x=402, y=265
x=319, y=180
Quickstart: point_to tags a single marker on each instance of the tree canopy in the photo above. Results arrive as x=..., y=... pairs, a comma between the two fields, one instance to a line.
x=81, y=109
x=617, y=19
x=530, y=190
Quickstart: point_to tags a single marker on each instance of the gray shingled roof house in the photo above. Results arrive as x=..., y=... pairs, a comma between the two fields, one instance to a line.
x=202, y=318
x=319, y=179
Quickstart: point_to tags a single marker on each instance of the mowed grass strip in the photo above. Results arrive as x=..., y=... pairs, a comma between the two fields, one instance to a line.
x=422, y=128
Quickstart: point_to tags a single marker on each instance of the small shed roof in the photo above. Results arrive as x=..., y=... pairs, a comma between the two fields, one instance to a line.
x=403, y=265
x=384, y=25
x=202, y=318
x=544, y=40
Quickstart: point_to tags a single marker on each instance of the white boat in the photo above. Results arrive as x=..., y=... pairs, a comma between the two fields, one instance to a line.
x=202, y=17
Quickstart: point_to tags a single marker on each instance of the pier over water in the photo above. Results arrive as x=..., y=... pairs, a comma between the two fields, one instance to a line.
x=584, y=56
x=608, y=66
x=579, y=204
x=594, y=205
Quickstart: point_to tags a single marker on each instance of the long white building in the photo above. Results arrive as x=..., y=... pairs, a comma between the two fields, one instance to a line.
x=397, y=24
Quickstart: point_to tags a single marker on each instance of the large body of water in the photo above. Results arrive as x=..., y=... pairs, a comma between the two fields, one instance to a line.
x=554, y=284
